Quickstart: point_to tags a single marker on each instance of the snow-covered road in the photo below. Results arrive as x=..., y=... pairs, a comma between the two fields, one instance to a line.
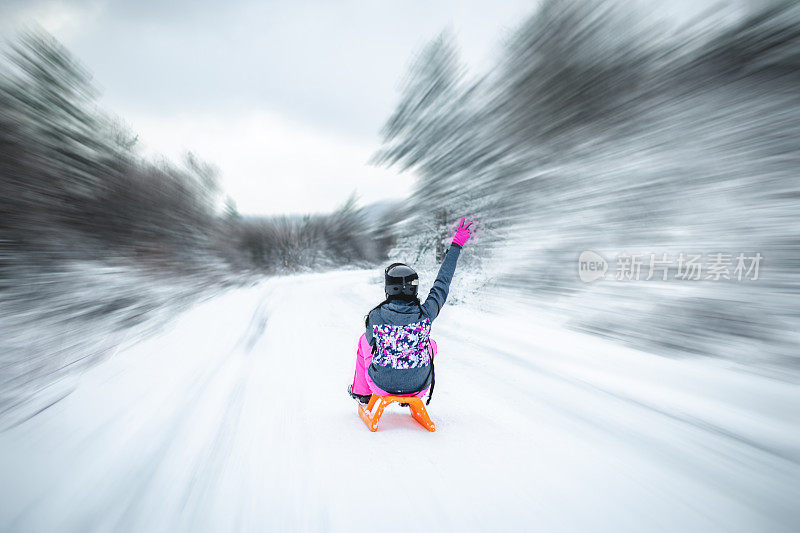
x=235, y=418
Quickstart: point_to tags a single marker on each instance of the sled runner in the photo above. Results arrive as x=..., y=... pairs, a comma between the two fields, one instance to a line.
x=371, y=415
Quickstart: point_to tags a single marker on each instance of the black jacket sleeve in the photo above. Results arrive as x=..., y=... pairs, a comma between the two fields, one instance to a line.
x=441, y=287
x=369, y=327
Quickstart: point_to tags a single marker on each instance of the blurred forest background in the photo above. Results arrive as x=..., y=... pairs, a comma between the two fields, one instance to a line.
x=95, y=239
x=598, y=128
x=603, y=129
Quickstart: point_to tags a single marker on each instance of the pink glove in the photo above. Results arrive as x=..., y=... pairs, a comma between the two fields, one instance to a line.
x=462, y=233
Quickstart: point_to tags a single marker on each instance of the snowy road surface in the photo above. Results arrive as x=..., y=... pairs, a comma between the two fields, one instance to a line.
x=235, y=418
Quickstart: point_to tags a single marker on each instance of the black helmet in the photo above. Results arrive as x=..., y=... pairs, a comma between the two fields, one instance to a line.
x=401, y=281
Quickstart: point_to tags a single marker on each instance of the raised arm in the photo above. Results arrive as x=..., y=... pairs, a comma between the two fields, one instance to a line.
x=441, y=287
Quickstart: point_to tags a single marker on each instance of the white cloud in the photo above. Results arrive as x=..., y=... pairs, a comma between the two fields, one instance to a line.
x=59, y=17
x=270, y=164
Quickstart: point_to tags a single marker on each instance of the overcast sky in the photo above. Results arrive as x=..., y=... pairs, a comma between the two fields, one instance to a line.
x=286, y=98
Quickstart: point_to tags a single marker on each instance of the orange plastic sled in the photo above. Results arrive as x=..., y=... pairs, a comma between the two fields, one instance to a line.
x=371, y=416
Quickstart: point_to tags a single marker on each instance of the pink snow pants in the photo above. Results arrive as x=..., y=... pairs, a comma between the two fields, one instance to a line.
x=363, y=384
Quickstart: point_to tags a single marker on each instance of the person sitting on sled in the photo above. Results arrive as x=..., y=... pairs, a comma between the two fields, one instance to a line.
x=395, y=355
